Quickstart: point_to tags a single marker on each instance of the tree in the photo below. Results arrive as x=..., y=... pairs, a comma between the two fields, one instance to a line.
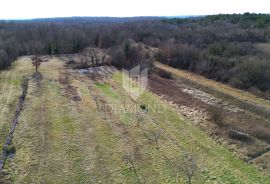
x=154, y=136
x=106, y=40
x=84, y=60
x=3, y=59
x=139, y=116
x=92, y=57
x=36, y=62
x=187, y=165
x=130, y=159
x=102, y=107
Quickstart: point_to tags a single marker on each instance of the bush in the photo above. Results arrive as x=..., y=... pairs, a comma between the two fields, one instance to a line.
x=11, y=150
x=163, y=73
x=216, y=115
x=234, y=134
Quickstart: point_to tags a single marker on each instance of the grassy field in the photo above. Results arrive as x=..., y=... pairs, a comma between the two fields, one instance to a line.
x=10, y=90
x=237, y=113
x=101, y=138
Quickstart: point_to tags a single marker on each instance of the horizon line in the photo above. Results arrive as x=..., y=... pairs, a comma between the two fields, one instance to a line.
x=139, y=16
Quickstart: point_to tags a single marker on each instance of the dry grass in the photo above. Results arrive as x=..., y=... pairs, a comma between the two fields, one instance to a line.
x=264, y=47
x=222, y=88
x=10, y=90
x=62, y=141
x=242, y=121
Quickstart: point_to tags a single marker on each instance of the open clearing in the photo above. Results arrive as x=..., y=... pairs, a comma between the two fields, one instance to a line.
x=67, y=135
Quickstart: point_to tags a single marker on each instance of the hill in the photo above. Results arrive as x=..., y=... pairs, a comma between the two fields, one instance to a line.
x=62, y=139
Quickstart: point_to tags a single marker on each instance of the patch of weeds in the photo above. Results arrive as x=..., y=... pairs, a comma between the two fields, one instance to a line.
x=11, y=150
x=216, y=115
x=127, y=118
x=163, y=74
x=67, y=122
x=15, y=82
x=228, y=176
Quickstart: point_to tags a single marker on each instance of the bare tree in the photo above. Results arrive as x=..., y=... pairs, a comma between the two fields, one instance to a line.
x=103, y=59
x=154, y=136
x=130, y=159
x=3, y=59
x=36, y=62
x=91, y=57
x=139, y=117
x=102, y=107
x=187, y=165
x=84, y=60
x=95, y=57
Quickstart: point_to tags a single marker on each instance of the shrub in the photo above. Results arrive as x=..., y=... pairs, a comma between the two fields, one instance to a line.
x=216, y=115
x=11, y=150
x=163, y=73
x=234, y=134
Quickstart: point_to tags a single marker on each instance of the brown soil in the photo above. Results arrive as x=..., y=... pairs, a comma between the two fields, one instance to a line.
x=171, y=92
x=68, y=90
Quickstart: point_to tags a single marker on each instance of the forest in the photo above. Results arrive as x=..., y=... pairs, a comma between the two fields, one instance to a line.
x=219, y=47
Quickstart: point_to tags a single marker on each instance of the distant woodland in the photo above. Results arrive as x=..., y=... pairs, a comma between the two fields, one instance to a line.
x=219, y=47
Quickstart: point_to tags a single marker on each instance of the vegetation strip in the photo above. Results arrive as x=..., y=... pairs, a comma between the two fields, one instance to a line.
x=259, y=154
x=14, y=123
x=238, y=97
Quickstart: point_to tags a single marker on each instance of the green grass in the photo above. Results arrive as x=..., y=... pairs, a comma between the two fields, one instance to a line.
x=192, y=139
x=107, y=89
x=62, y=141
x=10, y=90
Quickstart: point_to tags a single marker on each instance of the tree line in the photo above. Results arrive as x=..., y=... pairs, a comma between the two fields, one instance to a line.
x=221, y=47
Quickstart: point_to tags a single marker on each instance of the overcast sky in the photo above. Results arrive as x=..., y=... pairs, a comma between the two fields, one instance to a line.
x=21, y=9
